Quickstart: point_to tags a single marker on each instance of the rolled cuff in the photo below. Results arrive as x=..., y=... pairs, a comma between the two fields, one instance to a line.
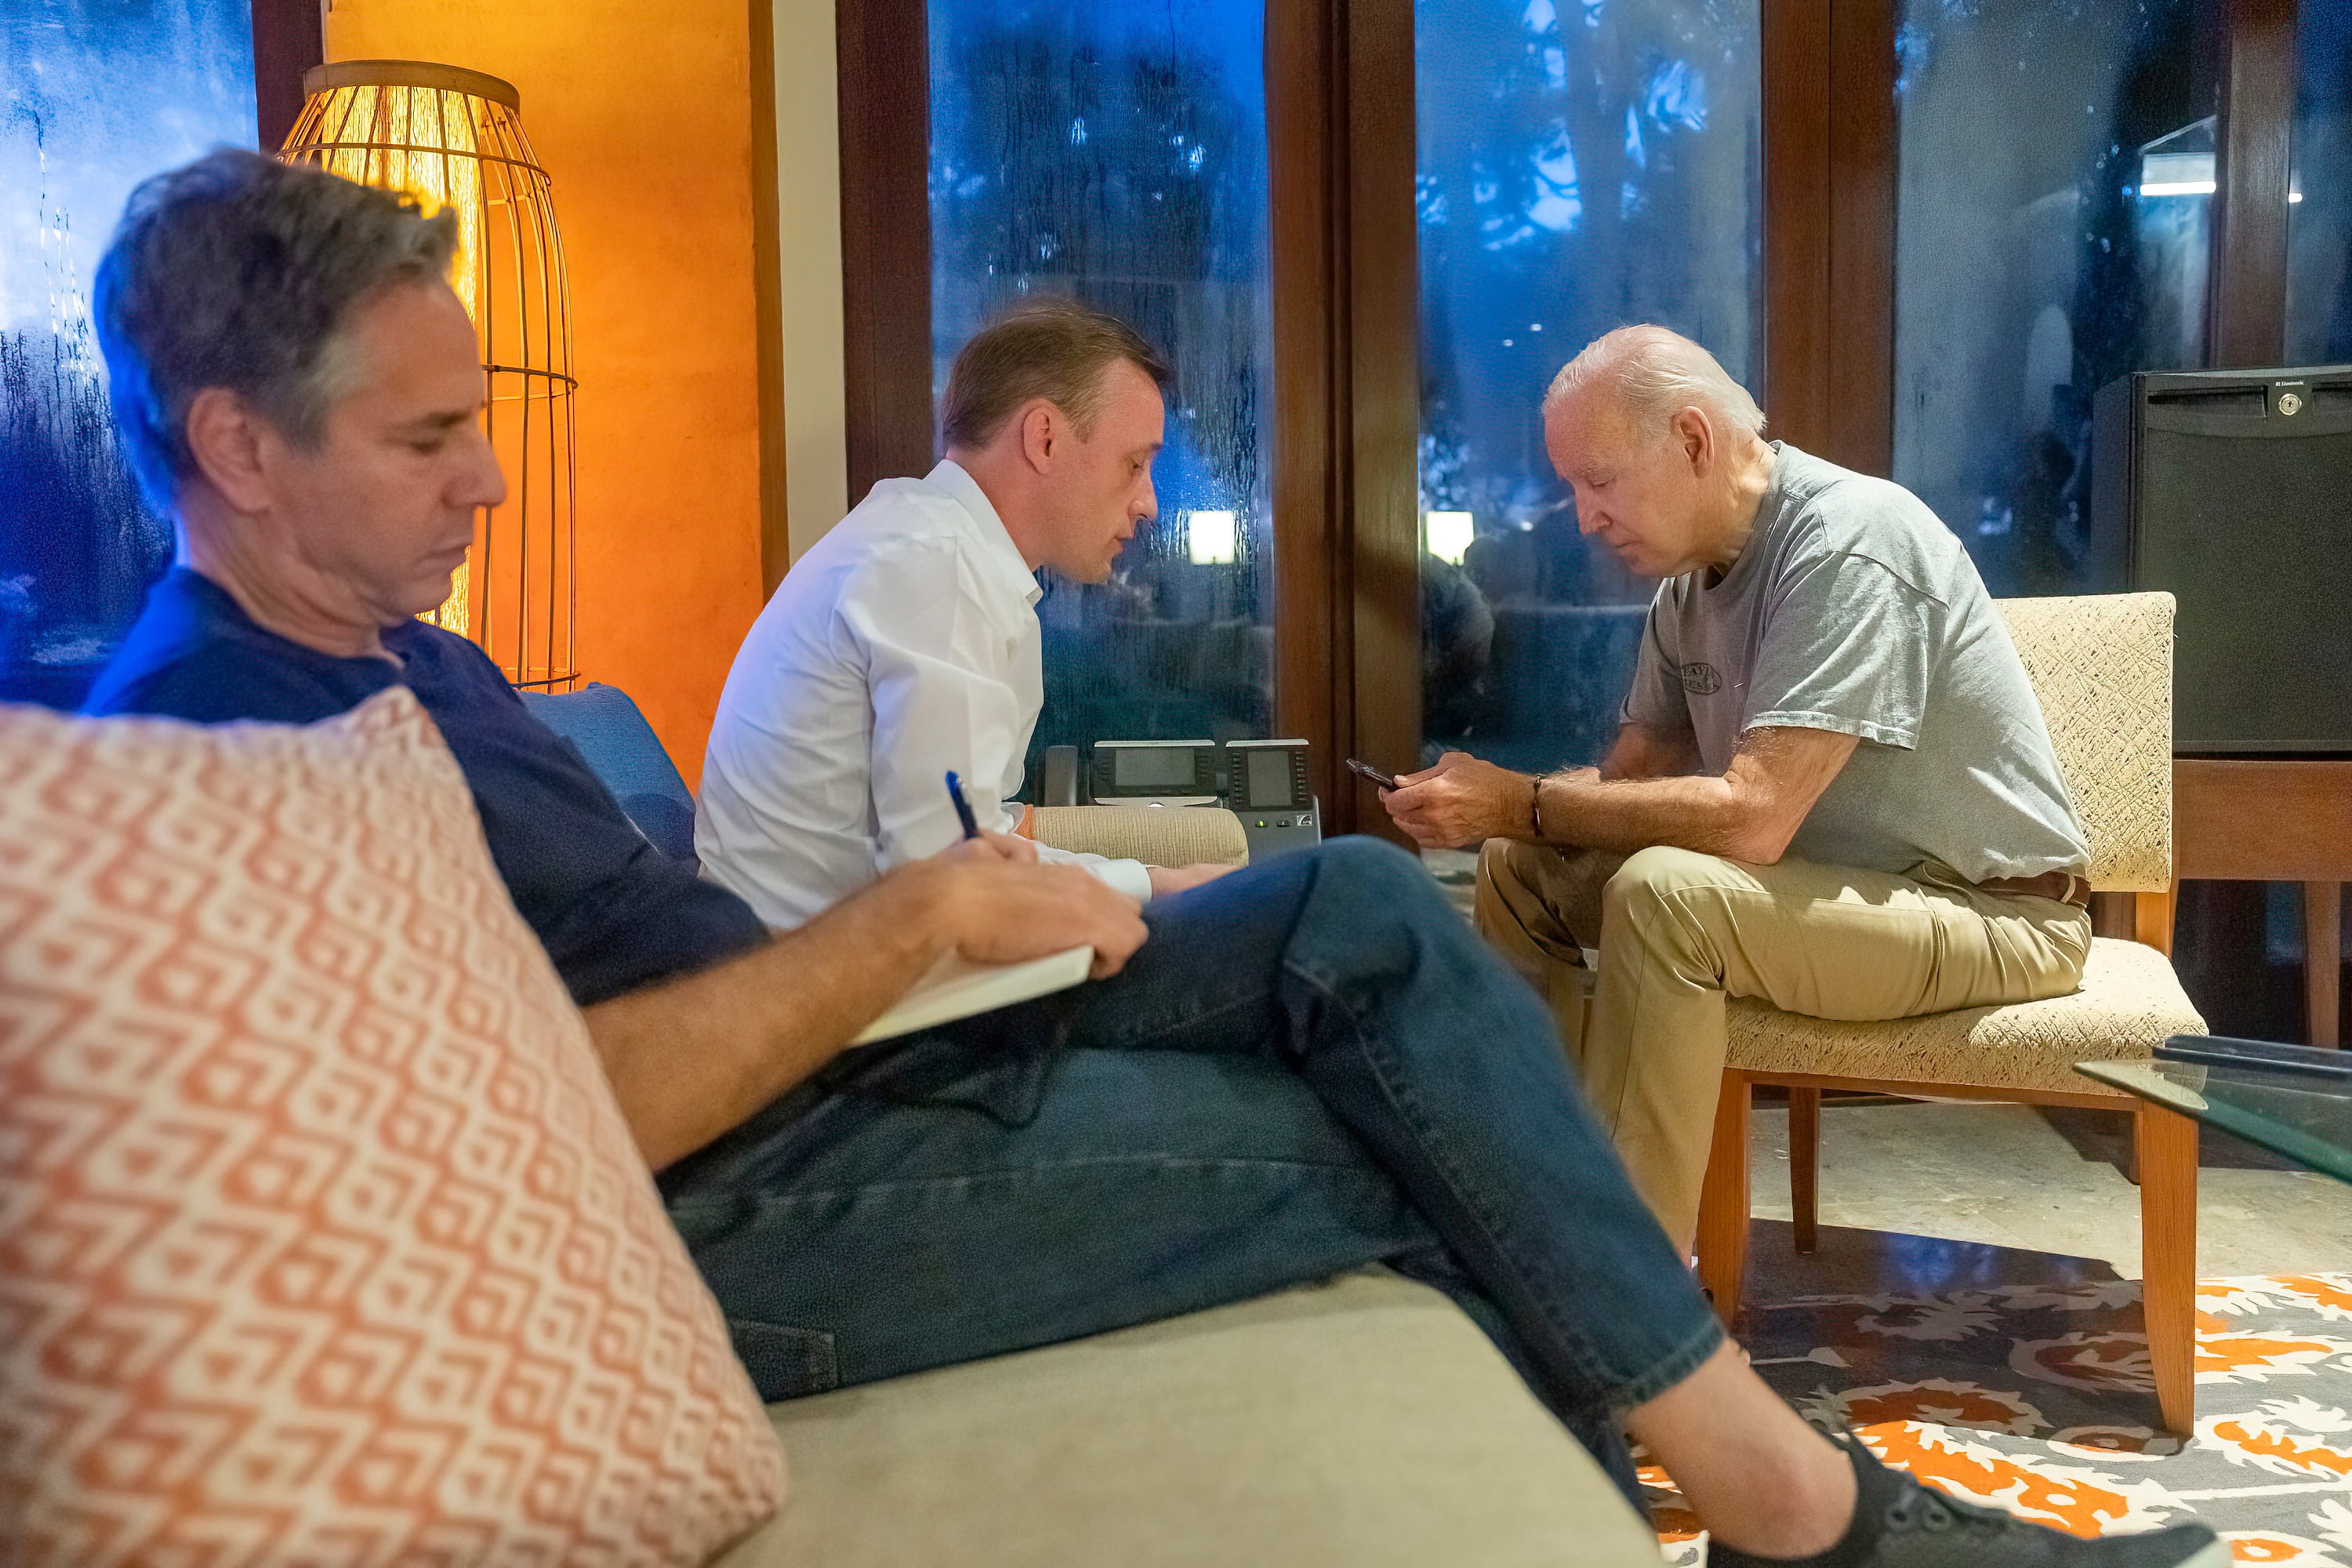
x=1129, y=877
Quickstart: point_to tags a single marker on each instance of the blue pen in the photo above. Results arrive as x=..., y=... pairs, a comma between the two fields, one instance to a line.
x=963, y=807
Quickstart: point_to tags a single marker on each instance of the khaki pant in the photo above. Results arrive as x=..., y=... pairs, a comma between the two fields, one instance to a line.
x=1678, y=933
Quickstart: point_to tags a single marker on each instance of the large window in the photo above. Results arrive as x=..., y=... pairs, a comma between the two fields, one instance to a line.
x=1987, y=210
x=93, y=98
x=2319, y=256
x=1581, y=166
x=1117, y=154
x=2051, y=233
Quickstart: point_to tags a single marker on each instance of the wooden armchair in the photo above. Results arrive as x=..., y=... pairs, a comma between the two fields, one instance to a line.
x=2102, y=668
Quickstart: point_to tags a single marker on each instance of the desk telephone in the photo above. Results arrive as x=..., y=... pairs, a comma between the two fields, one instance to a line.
x=1264, y=783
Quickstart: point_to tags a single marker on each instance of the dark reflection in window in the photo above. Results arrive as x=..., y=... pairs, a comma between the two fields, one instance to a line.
x=1117, y=154
x=1582, y=165
x=2051, y=233
x=94, y=96
x=2319, y=224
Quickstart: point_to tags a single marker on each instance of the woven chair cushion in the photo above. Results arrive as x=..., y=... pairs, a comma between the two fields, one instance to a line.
x=1157, y=836
x=2102, y=668
x=2129, y=1003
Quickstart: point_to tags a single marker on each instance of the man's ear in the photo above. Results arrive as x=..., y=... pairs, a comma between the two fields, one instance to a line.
x=1695, y=433
x=1041, y=432
x=233, y=446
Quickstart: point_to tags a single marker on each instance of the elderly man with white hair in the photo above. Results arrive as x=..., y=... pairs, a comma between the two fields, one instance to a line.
x=1831, y=788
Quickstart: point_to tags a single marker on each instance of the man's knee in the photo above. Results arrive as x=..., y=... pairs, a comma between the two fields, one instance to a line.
x=1375, y=915
x=1373, y=868
x=1506, y=864
x=1650, y=878
x=1506, y=861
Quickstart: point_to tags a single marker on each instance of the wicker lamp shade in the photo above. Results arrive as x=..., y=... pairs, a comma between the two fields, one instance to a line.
x=453, y=138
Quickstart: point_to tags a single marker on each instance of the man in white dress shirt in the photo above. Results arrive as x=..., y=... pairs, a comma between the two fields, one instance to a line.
x=905, y=644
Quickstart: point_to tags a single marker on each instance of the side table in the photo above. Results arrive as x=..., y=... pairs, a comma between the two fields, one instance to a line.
x=2283, y=819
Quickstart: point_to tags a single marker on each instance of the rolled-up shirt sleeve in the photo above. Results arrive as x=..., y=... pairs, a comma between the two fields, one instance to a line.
x=1129, y=876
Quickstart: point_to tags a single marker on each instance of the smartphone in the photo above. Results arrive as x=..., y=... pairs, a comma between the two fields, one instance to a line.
x=1362, y=769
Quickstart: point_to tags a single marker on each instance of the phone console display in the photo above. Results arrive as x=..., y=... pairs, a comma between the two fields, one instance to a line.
x=1155, y=768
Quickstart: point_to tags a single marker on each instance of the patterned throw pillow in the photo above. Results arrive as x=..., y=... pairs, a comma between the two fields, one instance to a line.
x=322, y=1240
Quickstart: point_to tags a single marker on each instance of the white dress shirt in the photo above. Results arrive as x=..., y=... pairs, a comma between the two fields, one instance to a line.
x=902, y=646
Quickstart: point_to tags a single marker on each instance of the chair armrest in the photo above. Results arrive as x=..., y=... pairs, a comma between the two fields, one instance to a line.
x=1161, y=836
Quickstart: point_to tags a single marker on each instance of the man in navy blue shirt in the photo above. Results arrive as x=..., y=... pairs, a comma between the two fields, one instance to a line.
x=613, y=912
x=1309, y=1066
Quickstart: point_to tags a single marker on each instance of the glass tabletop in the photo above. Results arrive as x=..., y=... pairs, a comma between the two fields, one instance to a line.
x=2295, y=1101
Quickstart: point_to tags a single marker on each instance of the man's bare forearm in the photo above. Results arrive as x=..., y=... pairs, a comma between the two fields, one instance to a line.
x=690, y=1059
x=1699, y=812
x=1749, y=812
x=1642, y=754
x=1643, y=794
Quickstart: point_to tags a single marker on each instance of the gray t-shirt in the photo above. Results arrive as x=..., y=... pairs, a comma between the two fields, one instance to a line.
x=1854, y=609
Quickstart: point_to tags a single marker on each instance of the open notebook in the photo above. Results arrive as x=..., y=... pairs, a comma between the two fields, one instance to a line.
x=958, y=988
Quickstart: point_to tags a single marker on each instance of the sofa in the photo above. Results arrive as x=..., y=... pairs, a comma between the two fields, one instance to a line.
x=1362, y=1420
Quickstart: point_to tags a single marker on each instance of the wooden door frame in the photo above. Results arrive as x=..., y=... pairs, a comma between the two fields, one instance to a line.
x=290, y=37
x=884, y=50
x=1829, y=193
x=2253, y=165
x=1347, y=416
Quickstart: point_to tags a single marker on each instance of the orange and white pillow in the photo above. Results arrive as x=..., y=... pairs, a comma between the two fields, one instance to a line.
x=322, y=1240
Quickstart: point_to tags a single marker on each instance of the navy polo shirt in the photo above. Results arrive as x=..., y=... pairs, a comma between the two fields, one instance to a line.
x=612, y=911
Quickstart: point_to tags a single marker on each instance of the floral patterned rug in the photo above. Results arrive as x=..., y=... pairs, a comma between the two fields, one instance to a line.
x=2039, y=1399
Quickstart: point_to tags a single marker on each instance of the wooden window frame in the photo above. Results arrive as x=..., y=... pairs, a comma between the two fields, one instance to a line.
x=1345, y=298
x=1829, y=228
x=2253, y=165
x=1347, y=421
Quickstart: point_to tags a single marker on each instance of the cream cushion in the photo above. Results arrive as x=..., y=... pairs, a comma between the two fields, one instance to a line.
x=1366, y=1422
x=1157, y=836
x=2129, y=1003
x=2101, y=667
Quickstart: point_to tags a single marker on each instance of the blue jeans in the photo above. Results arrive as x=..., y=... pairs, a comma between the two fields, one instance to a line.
x=1312, y=1065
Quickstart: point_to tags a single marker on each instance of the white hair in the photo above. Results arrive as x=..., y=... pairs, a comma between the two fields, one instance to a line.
x=1657, y=373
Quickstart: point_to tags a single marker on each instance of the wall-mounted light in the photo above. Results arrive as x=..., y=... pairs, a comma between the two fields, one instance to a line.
x=2194, y=188
x=1211, y=538
x=1448, y=534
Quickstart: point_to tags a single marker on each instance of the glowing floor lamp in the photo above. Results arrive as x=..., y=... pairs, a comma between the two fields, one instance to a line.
x=454, y=139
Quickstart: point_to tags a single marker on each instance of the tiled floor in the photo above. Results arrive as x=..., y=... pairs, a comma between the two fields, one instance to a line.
x=1929, y=1198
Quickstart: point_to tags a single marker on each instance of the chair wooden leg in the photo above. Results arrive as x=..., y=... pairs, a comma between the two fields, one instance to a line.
x=1805, y=1163
x=2152, y=918
x=1723, y=1201
x=2323, y=960
x=2167, y=1245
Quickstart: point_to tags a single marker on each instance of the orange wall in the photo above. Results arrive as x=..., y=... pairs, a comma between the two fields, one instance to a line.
x=642, y=113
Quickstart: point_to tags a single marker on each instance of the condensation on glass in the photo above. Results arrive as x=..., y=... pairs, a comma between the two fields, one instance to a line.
x=1117, y=154
x=2053, y=217
x=94, y=96
x=2319, y=223
x=1582, y=165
